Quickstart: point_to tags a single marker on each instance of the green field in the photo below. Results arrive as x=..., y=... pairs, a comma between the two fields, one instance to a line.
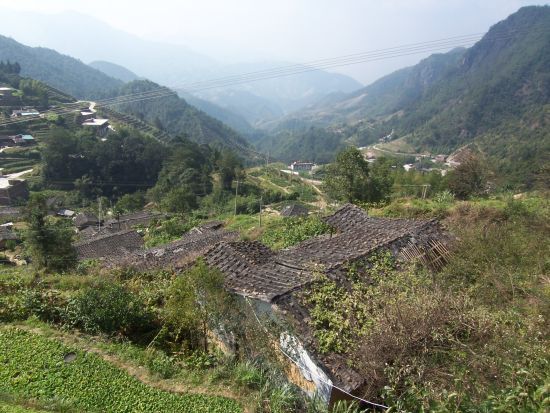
x=33, y=367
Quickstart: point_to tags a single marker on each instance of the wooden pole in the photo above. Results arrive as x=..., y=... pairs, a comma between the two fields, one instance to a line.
x=236, y=194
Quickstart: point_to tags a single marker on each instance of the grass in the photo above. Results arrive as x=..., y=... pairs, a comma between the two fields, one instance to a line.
x=34, y=367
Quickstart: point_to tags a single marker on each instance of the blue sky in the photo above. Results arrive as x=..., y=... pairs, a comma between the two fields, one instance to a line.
x=292, y=30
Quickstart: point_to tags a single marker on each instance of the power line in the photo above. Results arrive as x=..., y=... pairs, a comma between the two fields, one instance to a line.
x=381, y=54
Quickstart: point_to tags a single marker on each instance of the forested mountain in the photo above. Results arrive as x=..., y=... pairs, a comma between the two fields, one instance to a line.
x=495, y=95
x=62, y=72
x=70, y=75
x=175, y=65
x=176, y=116
x=114, y=70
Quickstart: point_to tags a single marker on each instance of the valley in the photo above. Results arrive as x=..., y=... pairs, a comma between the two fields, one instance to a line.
x=185, y=234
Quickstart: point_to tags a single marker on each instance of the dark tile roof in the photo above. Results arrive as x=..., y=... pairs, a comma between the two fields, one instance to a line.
x=109, y=245
x=7, y=234
x=294, y=210
x=127, y=221
x=85, y=219
x=178, y=254
x=251, y=269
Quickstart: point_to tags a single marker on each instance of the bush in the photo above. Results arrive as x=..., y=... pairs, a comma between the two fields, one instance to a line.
x=107, y=307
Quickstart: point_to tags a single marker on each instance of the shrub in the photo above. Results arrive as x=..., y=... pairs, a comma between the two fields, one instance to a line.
x=107, y=307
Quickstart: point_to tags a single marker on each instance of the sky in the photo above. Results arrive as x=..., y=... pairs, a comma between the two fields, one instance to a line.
x=292, y=30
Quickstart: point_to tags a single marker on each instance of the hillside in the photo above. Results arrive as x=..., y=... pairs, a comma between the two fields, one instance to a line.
x=114, y=70
x=283, y=94
x=62, y=72
x=495, y=95
x=177, y=117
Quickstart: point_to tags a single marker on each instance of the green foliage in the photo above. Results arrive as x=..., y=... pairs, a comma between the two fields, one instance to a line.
x=184, y=177
x=287, y=232
x=33, y=367
x=107, y=307
x=468, y=179
x=180, y=118
x=60, y=71
x=340, y=314
x=194, y=304
x=47, y=241
x=169, y=230
x=131, y=202
x=97, y=168
x=348, y=178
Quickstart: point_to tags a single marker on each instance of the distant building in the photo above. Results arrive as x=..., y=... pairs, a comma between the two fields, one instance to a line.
x=302, y=166
x=85, y=219
x=440, y=158
x=101, y=125
x=408, y=166
x=6, y=234
x=67, y=213
x=13, y=191
x=22, y=140
x=294, y=210
x=24, y=112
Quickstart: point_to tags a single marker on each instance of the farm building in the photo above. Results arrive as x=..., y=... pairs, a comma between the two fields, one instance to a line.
x=109, y=245
x=272, y=281
x=301, y=166
x=128, y=221
x=85, y=219
x=179, y=254
x=294, y=210
x=12, y=191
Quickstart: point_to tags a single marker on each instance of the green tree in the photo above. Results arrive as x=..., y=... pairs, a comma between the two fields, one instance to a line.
x=347, y=179
x=468, y=179
x=48, y=241
x=229, y=166
x=196, y=301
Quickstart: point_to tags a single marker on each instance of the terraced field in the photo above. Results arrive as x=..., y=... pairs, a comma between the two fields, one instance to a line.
x=35, y=367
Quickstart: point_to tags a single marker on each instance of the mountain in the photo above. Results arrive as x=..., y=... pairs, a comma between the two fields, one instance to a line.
x=494, y=95
x=174, y=65
x=93, y=40
x=170, y=113
x=385, y=96
x=268, y=99
x=60, y=71
x=176, y=116
x=114, y=70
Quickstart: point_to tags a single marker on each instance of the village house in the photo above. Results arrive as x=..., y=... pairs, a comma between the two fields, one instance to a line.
x=270, y=282
x=301, y=166
x=128, y=221
x=179, y=254
x=13, y=191
x=294, y=210
x=101, y=126
x=7, y=235
x=109, y=245
x=24, y=112
x=85, y=219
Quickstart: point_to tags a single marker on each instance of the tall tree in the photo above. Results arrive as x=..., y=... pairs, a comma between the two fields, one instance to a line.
x=48, y=242
x=469, y=178
x=348, y=178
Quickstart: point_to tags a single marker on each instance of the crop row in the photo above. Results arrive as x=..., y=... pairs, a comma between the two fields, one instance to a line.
x=33, y=366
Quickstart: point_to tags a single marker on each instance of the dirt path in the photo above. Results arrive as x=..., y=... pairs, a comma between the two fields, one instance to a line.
x=86, y=343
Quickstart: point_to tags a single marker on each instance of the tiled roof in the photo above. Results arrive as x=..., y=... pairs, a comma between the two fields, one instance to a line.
x=294, y=210
x=251, y=269
x=178, y=254
x=127, y=221
x=85, y=219
x=109, y=245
